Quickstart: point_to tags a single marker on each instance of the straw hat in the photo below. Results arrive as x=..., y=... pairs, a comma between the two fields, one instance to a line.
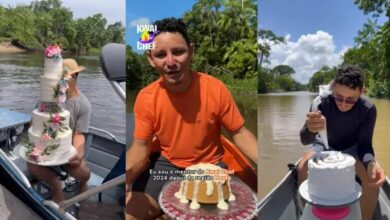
x=72, y=65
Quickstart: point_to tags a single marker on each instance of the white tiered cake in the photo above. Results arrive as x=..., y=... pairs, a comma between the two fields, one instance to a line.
x=50, y=137
x=331, y=176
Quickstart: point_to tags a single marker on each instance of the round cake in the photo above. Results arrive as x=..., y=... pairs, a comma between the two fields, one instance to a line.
x=205, y=183
x=331, y=176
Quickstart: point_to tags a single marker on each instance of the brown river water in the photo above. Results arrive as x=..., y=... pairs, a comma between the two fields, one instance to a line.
x=280, y=118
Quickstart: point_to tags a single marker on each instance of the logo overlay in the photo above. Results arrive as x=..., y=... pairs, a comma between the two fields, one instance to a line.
x=147, y=32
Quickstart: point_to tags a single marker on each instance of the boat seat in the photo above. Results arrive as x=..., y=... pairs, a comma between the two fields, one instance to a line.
x=103, y=158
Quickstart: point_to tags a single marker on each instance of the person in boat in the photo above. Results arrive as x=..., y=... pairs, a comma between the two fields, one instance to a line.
x=185, y=111
x=80, y=113
x=349, y=119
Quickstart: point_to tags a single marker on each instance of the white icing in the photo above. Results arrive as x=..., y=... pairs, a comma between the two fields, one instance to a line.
x=64, y=139
x=48, y=85
x=39, y=118
x=183, y=198
x=221, y=202
x=232, y=197
x=209, y=188
x=194, y=202
x=331, y=176
x=194, y=173
x=52, y=68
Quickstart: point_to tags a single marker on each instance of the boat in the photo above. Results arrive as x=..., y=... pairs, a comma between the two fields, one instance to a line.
x=284, y=203
x=23, y=197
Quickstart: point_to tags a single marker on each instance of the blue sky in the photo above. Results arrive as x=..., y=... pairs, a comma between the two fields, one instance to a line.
x=149, y=12
x=318, y=31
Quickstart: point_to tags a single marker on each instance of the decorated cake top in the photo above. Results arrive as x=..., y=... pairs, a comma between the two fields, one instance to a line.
x=331, y=160
x=53, y=52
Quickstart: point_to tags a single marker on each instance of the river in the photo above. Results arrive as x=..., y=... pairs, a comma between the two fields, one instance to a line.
x=19, y=89
x=280, y=118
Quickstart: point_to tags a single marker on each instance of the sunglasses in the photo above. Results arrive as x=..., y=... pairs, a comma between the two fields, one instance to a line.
x=341, y=99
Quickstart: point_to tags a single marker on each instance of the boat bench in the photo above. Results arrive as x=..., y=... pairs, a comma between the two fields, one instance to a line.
x=105, y=157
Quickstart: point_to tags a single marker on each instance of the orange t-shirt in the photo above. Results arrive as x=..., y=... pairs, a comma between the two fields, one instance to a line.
x=187, y=124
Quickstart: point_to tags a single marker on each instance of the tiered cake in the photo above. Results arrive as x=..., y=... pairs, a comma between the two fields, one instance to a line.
x=50, y=137
x=331, y=176
x=205, y=183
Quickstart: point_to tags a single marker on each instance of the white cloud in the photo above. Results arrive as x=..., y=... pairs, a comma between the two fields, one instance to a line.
x=113, y=11
x=139, y=21
x=307, y=55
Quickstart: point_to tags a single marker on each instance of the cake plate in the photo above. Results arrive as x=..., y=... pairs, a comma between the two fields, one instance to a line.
x=304, y=192
x=244, y=207
x=64, y=159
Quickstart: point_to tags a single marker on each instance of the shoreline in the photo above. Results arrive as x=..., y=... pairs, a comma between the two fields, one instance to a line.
x=8, y=47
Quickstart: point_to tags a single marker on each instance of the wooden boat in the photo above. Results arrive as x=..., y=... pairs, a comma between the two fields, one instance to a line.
x=284, y=202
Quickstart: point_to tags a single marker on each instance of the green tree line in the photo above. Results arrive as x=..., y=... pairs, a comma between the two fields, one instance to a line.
x=224, y=36
x=371, y=52
x=40, y=23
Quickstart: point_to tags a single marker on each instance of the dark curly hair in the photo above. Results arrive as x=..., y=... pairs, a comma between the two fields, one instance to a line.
x=350, y=76
x=173, y=25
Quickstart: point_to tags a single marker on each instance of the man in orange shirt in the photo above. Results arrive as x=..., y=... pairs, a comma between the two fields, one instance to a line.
x=185, y=111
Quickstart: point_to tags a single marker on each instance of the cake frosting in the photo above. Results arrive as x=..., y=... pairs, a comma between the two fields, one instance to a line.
x=52, y=67
x=331, y=176
x=48, y=89
x=205, y=183
x=49, y=136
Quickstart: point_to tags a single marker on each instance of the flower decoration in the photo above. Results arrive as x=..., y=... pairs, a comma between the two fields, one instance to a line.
x=45, y=138
x=62, y=87
x=53, y=125
x=53, y=52
x=37, y=153
x=49, y=107
x=42, y=106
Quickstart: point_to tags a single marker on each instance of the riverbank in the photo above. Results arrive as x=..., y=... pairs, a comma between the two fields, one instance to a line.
x=8, y=47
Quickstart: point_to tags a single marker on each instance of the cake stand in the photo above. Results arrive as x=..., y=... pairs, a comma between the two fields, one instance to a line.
x=244, y=207
x=304, y=192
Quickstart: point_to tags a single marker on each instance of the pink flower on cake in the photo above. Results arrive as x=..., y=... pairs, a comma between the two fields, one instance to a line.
x=52, y=50
x=37, y=150
x=45, y=137
x=36, y=154
x=56, y=119
x=42, y=106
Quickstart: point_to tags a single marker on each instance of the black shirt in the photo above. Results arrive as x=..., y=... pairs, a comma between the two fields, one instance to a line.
x=346, y=129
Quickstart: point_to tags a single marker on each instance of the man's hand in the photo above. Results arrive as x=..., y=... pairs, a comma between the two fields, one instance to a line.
x=75, y=161
x=376, y=175
x=78, y=143
x=315, y=121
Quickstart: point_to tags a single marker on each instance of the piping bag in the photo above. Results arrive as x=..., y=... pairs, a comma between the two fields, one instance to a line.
x=325, y=90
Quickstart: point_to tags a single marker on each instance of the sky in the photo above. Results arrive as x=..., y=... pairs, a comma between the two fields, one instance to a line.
x=317, y=32
x=137, y=13
x=112, y=10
